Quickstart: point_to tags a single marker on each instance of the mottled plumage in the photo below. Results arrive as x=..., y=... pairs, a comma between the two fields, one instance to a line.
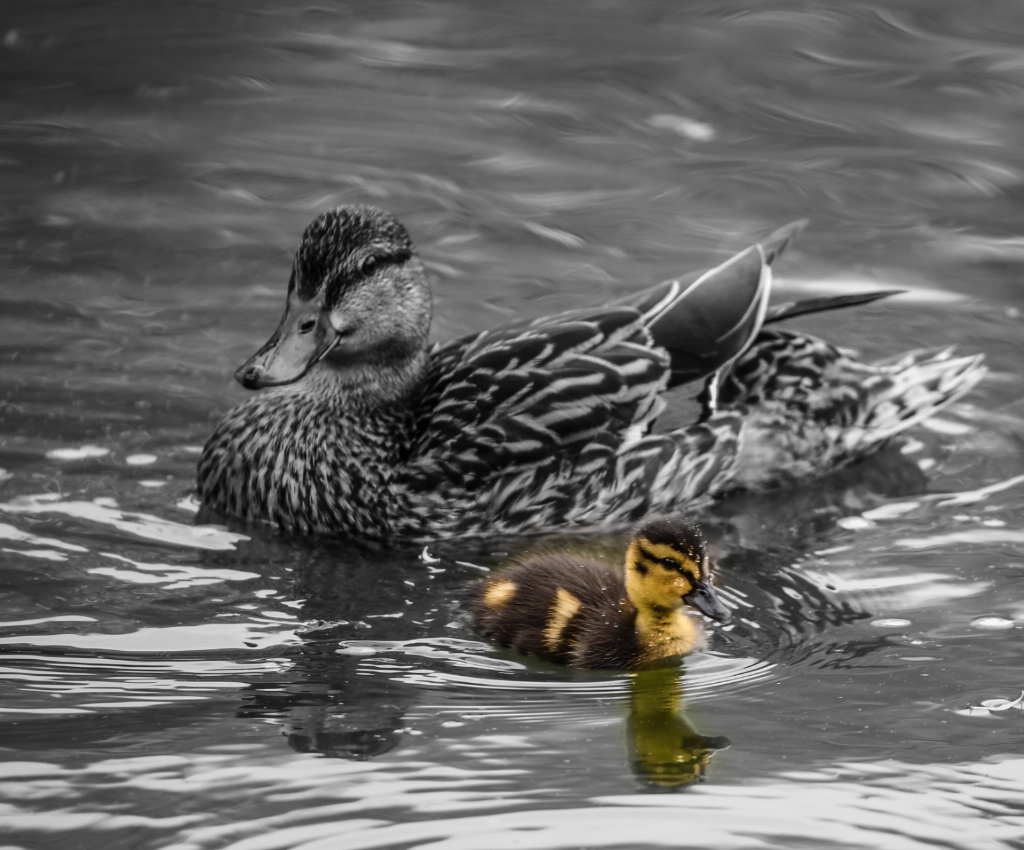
x=361, y=429
x=574, y=608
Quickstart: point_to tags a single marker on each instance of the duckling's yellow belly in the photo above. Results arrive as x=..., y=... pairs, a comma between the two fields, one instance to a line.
x=681, y=635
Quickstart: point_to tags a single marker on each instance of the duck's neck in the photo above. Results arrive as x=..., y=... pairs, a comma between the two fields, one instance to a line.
x=369, y=384
x=664, y=632
x=317, y=455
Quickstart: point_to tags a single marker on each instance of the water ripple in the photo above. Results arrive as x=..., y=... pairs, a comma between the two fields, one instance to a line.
x=170, y=639
x=154, y=694
x=61, y=683
x=324, y=804
x=104, y=511
x=705, y=674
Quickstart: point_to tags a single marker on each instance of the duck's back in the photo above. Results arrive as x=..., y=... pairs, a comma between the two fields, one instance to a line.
x=559, y=606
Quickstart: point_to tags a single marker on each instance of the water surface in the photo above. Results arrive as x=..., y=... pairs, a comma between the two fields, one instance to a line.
x=173, y=685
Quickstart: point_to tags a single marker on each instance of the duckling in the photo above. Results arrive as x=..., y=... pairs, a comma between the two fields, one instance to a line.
x=587, y=612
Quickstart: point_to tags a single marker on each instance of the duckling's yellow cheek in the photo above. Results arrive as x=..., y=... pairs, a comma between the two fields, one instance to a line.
x=498, y=593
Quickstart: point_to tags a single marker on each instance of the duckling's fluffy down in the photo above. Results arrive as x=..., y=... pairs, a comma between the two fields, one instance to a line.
x=537, y=618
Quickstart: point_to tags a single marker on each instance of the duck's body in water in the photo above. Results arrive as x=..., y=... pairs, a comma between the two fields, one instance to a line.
x=362, y=429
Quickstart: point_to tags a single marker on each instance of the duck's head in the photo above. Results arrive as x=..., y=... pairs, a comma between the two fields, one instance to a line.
x=358, y=304
x=667, y=566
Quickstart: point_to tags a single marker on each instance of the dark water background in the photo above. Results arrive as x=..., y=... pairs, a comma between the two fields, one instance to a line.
x=158, y=162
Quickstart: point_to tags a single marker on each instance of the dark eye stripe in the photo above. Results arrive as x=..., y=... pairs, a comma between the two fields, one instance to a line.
x=667, y=563
x=383, y=255
x=648, y=554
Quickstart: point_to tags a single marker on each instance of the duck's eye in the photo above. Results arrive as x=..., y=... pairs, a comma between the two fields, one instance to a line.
x=307, y=326
x=669, y=563
x=368, y=266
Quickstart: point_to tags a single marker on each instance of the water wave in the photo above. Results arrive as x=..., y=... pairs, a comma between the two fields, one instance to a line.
x=104, y=512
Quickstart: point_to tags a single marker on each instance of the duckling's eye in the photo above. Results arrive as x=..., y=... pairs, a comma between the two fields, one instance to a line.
x=670, y=563
x=368, y=266
x=307, y=326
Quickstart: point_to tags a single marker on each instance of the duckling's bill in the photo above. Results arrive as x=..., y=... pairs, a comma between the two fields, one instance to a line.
x=302, y=339
x=704, y=598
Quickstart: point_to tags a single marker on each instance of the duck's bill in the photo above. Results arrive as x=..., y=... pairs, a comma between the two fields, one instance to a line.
x=302, y=340
x=705, y=600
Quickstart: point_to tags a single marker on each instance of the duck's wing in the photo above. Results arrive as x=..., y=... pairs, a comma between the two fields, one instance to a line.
x=539, y=394
x=514, y=445
x=708, y=319
x=705, y=321
x=546, y=388
x=517, y=398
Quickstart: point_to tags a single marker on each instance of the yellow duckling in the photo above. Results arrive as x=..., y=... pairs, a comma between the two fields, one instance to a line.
x=588, y=612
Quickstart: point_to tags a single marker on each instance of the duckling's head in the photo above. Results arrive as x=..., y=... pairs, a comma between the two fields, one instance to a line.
x=358, y=306
x=667, y=566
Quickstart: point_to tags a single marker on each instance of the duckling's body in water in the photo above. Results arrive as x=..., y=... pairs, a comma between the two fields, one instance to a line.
x=583, y=611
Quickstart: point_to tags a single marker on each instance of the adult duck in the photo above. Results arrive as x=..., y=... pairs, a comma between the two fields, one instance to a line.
x=363, y=429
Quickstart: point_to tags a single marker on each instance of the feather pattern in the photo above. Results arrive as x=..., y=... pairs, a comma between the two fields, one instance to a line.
x=544, y=423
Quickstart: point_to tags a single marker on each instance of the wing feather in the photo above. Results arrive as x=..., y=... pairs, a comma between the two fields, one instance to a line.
x=501, y=403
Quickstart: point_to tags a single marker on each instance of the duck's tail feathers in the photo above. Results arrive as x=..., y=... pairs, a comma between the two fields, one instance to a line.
x=789, y=309
x=704, y=321
x=907, y=391
x=707, y=321
x=777, y=241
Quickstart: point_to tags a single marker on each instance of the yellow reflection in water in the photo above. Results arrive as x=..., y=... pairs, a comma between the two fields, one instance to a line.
x=666, y=750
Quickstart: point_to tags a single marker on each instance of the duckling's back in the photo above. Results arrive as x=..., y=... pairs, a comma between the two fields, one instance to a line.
x=561, y=607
